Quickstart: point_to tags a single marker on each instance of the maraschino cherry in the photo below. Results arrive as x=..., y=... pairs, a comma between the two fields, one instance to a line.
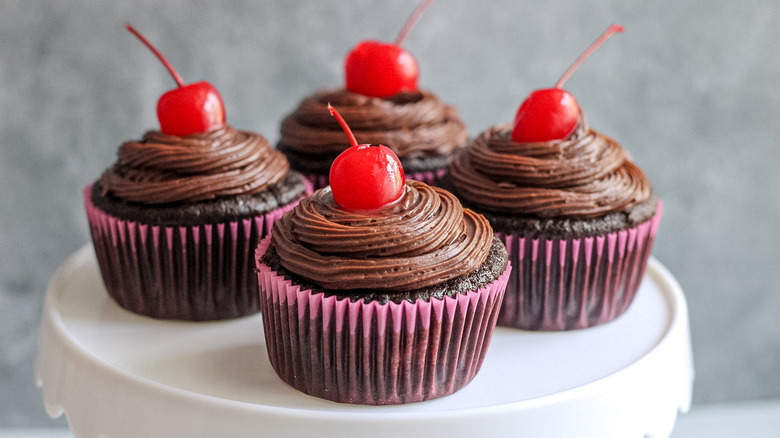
x=378, y=69
x=552, y=113
x=365, y=177
x=188, y=109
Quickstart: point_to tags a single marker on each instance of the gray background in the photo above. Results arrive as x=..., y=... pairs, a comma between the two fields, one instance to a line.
x=690, y=90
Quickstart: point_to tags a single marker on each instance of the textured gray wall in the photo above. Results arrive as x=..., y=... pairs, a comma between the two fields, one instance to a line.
x=690, y=90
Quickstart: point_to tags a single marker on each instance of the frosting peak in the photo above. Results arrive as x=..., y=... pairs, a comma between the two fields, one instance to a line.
x=425, y=239
x=165, y=169
x=586, y=175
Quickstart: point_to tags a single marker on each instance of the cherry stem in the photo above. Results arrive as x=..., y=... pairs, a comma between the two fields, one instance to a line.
x=343, y=123
x=176, y=76
x=411, y=21
x=615, y=28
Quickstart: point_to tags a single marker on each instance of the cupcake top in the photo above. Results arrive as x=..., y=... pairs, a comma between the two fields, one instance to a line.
x=168, y=169
x=425, y=238
x=585, y=175
x=411, y=123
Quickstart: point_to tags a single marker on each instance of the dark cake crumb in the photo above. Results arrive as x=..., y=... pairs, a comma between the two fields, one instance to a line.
x=489, y=271
x=218, y=210
x=320, y=164
x=562, y=227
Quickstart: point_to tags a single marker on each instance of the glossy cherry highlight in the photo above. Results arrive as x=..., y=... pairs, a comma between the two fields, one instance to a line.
x=552, y=113
x=365, y=177
x=378, y=69
x=190, y=108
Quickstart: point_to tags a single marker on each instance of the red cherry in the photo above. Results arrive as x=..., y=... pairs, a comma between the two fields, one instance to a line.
x=188, y=109
x=553, y=113
x=378, y=69
x=365, y=177
x=547, y=114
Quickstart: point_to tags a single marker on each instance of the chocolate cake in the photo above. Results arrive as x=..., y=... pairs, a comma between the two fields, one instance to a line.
x=176, y=219
x=422, y=131
x=422, y=278
x=577, y=215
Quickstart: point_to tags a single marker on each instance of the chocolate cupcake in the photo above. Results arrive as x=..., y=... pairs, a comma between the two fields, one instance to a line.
x=387, y=308
x=383, y=105
x=422, y=131
x=384, y=296
x=176, y=219
x=578, y=217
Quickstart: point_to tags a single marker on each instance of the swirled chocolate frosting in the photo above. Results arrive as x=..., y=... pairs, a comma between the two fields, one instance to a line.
x=165, y=169
x=584, y=176
x=424, y=239
x=412, y=124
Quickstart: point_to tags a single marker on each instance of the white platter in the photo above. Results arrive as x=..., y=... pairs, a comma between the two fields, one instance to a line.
x=115, y=374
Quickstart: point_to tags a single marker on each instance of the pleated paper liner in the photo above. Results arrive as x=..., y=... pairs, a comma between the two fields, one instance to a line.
x=565, y=284
x=431, y=177
x=194, y=273
x=371, y=353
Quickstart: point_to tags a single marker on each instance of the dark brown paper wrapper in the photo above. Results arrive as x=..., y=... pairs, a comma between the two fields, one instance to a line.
x=193, y=273
x=371, y=353
x=565, y=284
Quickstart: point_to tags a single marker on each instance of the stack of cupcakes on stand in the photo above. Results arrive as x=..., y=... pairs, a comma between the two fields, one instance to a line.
x=376, y=290
x=175, y=221
x=578, y=217
x=382, y=103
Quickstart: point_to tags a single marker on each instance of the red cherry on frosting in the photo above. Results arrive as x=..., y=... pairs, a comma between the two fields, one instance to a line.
x=365, y=177
x=553, y=113
x=378, y=69
x=188, y=109
x=546, y=114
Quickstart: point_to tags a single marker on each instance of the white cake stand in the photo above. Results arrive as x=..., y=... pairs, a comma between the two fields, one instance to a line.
x=119, y=375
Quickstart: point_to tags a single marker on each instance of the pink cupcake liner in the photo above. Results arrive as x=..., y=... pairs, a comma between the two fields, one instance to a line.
x=371, y=353
x=195, y=273
x=565, y=284
x=431, y=177
x=317, y=181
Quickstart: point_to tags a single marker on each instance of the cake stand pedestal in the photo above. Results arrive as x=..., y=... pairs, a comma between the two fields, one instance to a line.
x=115, y=374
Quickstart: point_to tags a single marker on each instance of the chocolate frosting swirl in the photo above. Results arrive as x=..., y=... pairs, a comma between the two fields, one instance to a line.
x=586, y=175
x=424, y=239
x=411, y=124
x=164, y=169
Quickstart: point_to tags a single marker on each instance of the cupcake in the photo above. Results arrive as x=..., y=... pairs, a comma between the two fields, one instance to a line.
x=176, y=219
x=383, y=105
x=383, y=296
x=578, y=217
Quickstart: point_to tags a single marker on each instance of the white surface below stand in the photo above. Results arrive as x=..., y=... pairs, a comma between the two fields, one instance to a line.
x=753, y=419
x=119, y=375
